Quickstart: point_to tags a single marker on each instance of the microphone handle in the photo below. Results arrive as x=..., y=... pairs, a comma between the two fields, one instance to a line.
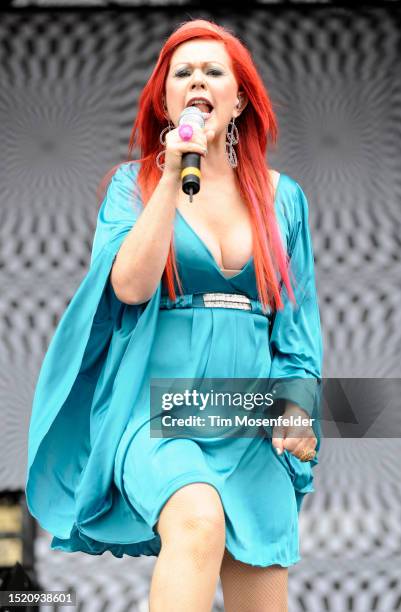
x=190, y=173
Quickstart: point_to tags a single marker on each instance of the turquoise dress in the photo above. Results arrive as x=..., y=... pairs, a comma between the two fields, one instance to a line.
x=96, y=479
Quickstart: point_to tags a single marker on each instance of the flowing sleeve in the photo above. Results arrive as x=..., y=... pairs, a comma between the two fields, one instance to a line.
x=89, y=382
x=120, y=209
x=296, y=338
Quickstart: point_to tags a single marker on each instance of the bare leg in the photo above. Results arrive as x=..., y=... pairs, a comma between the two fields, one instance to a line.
x=192, y=531
x=248, y=588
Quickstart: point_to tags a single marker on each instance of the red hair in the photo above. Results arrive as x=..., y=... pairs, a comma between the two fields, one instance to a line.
x=255, y=125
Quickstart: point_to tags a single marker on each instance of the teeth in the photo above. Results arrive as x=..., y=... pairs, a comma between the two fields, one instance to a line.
x=199, y=101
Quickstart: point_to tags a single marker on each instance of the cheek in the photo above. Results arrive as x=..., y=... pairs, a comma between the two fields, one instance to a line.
x=224, y=107
x=171, y=87
x=226, y=96
x=174, y=94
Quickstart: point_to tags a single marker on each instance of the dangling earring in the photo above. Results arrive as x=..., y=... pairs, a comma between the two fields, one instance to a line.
x=168, y=128
x=232, y=138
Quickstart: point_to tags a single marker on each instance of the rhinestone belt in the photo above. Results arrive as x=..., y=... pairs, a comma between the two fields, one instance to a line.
x=225, y=300
x=214, y=300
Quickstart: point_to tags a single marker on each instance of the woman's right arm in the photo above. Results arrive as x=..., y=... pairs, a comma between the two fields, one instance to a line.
x=141, y=259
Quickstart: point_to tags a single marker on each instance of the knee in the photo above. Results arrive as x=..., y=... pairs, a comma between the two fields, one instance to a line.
x=201, y=526
x=202, y=523
x=193, y=520
x=202, y=535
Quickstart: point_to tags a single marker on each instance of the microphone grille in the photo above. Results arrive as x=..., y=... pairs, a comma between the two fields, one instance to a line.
x=192, y=114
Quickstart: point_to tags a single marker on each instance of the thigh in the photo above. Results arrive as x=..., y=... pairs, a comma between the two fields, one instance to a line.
x=249, y=588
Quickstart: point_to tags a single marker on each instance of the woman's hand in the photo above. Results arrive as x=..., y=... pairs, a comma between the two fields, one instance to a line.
x=294, y=438
x=175, y=147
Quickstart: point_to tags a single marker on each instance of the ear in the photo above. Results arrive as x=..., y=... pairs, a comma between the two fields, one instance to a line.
x=166, y=115
x=242, y=102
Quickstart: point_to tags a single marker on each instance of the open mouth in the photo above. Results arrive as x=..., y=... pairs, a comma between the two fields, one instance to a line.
x=207, y=115
x=205, y=107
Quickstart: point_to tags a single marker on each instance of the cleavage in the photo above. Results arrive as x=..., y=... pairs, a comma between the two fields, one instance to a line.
x=237, y=240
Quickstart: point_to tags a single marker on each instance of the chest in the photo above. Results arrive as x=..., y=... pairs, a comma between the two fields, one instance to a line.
x=222, y=223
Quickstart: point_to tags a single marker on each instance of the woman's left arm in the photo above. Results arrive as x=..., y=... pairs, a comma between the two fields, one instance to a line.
x=296, y=337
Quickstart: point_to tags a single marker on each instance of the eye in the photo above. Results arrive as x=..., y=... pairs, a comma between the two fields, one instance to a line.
x=183, y=73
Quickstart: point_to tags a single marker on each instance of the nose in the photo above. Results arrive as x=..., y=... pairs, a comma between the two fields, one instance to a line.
x=197, y=79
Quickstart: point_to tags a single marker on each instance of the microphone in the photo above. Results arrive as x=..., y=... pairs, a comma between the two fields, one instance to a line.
x=190, y=173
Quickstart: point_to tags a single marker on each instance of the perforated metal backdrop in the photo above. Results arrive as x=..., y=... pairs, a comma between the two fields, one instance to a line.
x=69, y=87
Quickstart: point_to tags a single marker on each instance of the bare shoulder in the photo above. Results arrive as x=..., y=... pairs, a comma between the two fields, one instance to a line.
x=275, y=177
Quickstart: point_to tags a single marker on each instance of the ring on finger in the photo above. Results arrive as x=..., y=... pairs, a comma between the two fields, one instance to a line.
x=307, y=455
x=185, y=131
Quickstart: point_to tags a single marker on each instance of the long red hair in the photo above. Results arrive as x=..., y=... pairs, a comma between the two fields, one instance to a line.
x=256, y=124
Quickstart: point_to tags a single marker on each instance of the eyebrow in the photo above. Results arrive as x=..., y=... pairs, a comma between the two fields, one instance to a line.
x=202, y=63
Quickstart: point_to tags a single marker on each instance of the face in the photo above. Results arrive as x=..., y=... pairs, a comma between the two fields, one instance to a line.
x=202, y=68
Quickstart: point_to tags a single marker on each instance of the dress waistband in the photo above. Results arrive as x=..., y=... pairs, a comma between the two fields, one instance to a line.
x=214, y=300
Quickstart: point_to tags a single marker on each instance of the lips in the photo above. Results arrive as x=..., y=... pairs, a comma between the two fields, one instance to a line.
x=207, y=107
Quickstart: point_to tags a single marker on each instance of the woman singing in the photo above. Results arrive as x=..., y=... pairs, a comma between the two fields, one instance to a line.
x=194, y=291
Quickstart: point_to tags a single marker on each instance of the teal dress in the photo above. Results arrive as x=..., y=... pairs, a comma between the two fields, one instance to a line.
x=96, y=479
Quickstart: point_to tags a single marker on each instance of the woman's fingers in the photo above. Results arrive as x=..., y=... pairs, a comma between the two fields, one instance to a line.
x=278, y=438
x=176, y=147
x=288, y=438
x=302, y=445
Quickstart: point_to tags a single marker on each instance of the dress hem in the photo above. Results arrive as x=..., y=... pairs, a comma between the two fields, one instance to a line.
x=184, y=479
x=117, y=548
x=174, y=485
